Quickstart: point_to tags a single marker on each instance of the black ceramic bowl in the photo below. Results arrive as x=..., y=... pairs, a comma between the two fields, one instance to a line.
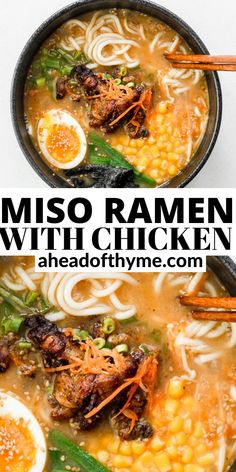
x=74, y=10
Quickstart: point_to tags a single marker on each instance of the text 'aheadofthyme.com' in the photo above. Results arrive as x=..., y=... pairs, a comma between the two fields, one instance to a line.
x=168, y=231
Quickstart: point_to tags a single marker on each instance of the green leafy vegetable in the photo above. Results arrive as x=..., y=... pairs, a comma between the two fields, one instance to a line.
x=14, y=301
x=11, y=321
x=31, y=298
x=74, y=454
x=101, y=153
x=51, y=61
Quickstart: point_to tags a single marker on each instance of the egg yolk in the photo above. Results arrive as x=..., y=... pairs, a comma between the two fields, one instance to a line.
x=17, y=451
x=63, y=143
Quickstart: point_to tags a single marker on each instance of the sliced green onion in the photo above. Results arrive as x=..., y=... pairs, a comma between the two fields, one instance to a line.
x=13, y=300
x=131, y=84
x=108, y=325
x=24, y=345
x=77, y=55
x=52, y=63
x=12, y=325
x=31, y=297
x=66, y=70
x=122, y=348
x=73, y=82
x=132, y=319
x=107, y=76
x=80, y=333
x=144, y=348
x=40, y=82
x=75, y=454
x=99, y=343
x=66, y=56
x=43, y=305
x=117, y=81
x=50, y=389
x=123, y=71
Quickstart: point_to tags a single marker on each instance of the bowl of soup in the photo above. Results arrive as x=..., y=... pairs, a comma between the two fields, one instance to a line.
x=110, y=372
x=96, y=103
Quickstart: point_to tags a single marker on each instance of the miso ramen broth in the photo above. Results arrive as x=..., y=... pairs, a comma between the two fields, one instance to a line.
x=173, y=409
x=103, y=79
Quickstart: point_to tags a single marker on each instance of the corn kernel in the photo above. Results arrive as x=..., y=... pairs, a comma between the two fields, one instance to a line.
x=163, y=462
x=160, y=119
x=188, y=424
x=157, y=444
x=154, y=173
x=176, y=425
x=176, y=388
x=163, y=108
x=162, y=129
x=193, y=468
x=188, y=402
x=177, y=467
x=181, y=438
x=133, y=143
x=165, y=138
x=156, y=162
x=143, y=161
x=139, y=143
x=125, y=448
x=113, y=446
x=187, y=455
x=193, y=441
x=198, y=431
x=121, y=461
x=129, y=151
x=138, y=447
x=172, y=452
x=207, y=459
x=200, y=449
x=169, y=147
x=103, y=456
x=171, y=406
x=146, y=458
x=173, y=169
x=164, y=164
x=151, y=140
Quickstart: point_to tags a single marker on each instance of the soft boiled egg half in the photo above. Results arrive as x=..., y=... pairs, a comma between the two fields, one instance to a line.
x=61, y=139
x=22, y=443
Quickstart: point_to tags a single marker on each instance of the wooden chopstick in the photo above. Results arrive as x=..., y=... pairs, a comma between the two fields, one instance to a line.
x=227, y=303
x=228, y=316
x=202, y=62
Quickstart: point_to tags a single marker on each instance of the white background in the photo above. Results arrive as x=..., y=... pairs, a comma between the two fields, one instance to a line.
x=213, y=20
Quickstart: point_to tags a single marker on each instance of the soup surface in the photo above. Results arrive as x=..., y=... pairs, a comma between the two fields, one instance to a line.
x=103, y=79
x=79, y=334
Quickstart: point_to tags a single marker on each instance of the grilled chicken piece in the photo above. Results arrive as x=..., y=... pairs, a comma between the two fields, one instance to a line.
x=45, y=335
x=71, y=390
x=5, y=356
x=105, y=109
x=142, y=429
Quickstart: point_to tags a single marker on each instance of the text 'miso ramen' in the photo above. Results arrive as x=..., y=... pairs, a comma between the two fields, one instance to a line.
x=105, y=108
x=109, y=372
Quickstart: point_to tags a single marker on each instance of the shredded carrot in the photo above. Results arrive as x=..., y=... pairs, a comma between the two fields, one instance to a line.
x=144, y=102
x=94, y=361
x=138, y=379
x=132, y=416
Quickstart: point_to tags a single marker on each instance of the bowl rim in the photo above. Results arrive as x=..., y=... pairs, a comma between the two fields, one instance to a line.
x=51, y=179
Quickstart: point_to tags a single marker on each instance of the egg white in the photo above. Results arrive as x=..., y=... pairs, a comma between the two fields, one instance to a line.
x=60, y=117
x=14, y=409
